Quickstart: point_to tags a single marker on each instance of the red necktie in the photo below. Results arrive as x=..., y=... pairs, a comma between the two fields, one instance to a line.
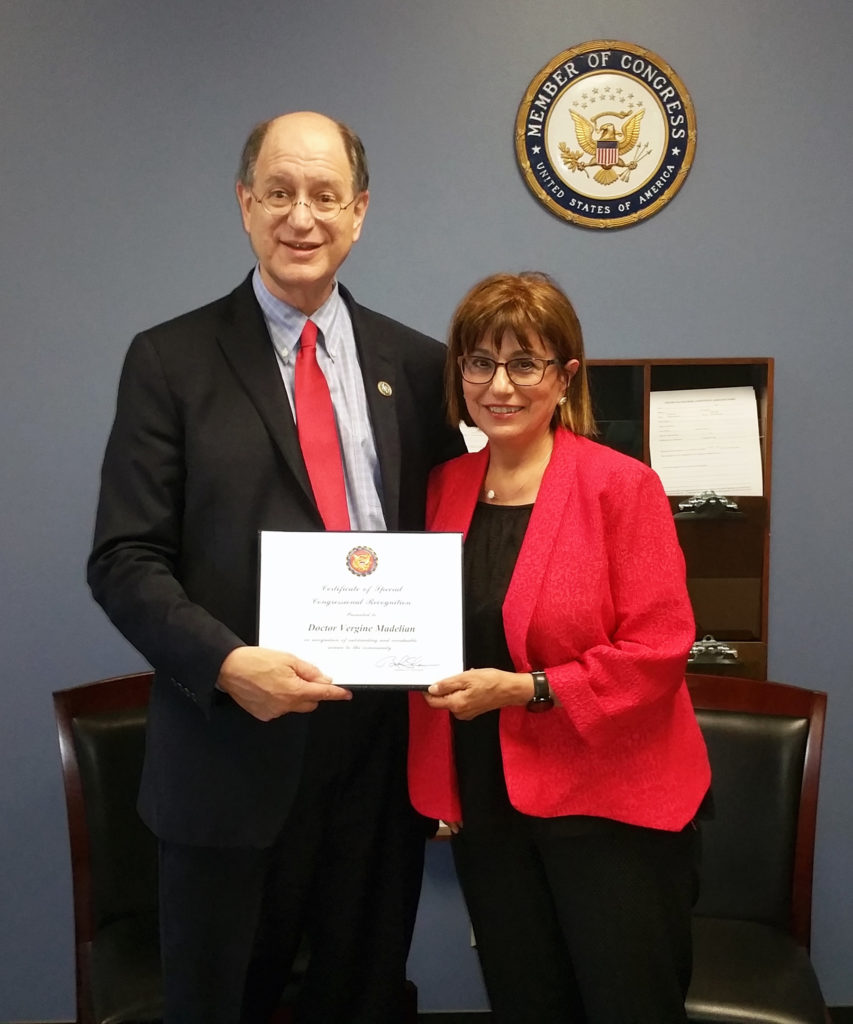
x=318, y=435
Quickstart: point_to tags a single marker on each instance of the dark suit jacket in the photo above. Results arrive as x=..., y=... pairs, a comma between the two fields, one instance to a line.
x=203, y=454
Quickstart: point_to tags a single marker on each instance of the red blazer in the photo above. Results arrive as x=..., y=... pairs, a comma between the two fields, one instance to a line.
x=598, y=600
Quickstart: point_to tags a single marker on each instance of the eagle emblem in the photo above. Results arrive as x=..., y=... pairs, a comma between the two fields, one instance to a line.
x=606, y=145
x=605, y=134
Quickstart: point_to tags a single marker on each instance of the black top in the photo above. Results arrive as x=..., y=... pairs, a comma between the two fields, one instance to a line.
x=491, y=549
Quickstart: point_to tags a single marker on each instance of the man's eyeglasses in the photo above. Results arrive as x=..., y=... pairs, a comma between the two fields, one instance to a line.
x=522, y=370
x=324, y=206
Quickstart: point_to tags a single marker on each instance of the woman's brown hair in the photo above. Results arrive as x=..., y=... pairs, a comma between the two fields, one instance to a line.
x=530, y=306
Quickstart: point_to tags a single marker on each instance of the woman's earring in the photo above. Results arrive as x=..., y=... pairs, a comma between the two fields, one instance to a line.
x=563, y=400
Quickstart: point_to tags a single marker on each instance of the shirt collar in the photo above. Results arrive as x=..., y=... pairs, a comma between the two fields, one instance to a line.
x=289, y=321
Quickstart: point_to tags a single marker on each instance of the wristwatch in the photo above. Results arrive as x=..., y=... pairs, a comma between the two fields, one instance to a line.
x=541, y=699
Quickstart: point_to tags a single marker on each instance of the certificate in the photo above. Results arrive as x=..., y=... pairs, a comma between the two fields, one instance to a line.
x=368, y=609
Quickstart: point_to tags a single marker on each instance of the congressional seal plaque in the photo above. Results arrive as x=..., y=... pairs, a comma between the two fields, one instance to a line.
x=605, y=134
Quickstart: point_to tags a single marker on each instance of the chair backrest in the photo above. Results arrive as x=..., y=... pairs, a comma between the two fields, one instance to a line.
x=764, y=742
x=113, y=855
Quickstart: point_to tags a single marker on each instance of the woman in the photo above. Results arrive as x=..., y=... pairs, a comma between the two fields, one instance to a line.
x=567, y=756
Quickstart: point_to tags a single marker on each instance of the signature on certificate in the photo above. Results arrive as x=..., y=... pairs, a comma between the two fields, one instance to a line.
x=404, y=661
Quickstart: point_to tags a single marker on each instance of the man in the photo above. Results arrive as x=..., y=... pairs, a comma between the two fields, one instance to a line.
x=272, y=823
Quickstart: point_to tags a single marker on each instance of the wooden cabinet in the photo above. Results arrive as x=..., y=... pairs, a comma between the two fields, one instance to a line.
x=727, y=557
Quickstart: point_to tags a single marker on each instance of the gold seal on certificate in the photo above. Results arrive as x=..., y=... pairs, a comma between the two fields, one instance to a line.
x=362, y=561
x=369, y=609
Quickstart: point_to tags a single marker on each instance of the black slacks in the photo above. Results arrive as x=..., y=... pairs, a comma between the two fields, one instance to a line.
x=584, y=928
x=345, y=872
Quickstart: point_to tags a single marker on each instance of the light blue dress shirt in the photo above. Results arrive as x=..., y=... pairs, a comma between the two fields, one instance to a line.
x=338, y=359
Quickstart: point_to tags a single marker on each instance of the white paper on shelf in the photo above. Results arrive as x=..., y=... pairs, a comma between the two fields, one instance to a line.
x=706, y=439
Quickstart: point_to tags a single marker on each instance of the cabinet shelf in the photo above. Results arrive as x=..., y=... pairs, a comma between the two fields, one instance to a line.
x=727, y=558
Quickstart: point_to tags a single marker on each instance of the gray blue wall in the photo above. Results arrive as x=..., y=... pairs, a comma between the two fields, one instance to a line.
x=120, y=127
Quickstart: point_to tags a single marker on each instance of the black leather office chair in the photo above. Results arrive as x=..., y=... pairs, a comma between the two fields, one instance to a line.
x=752, y=924
x=114, y=858
x=113, y=855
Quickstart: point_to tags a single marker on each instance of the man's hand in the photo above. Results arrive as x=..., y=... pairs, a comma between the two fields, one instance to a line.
x=269, y=684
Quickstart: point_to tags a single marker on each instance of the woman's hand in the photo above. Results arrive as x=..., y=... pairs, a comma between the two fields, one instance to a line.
x=479, y=690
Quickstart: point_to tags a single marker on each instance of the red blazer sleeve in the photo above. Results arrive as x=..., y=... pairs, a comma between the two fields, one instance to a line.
x=599, y=600
x=613, y=622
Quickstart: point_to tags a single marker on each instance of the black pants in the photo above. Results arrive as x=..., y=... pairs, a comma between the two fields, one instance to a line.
x=589, y=928
x=345, y=871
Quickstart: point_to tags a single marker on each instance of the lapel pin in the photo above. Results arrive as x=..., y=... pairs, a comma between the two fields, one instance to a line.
x=385, y=388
